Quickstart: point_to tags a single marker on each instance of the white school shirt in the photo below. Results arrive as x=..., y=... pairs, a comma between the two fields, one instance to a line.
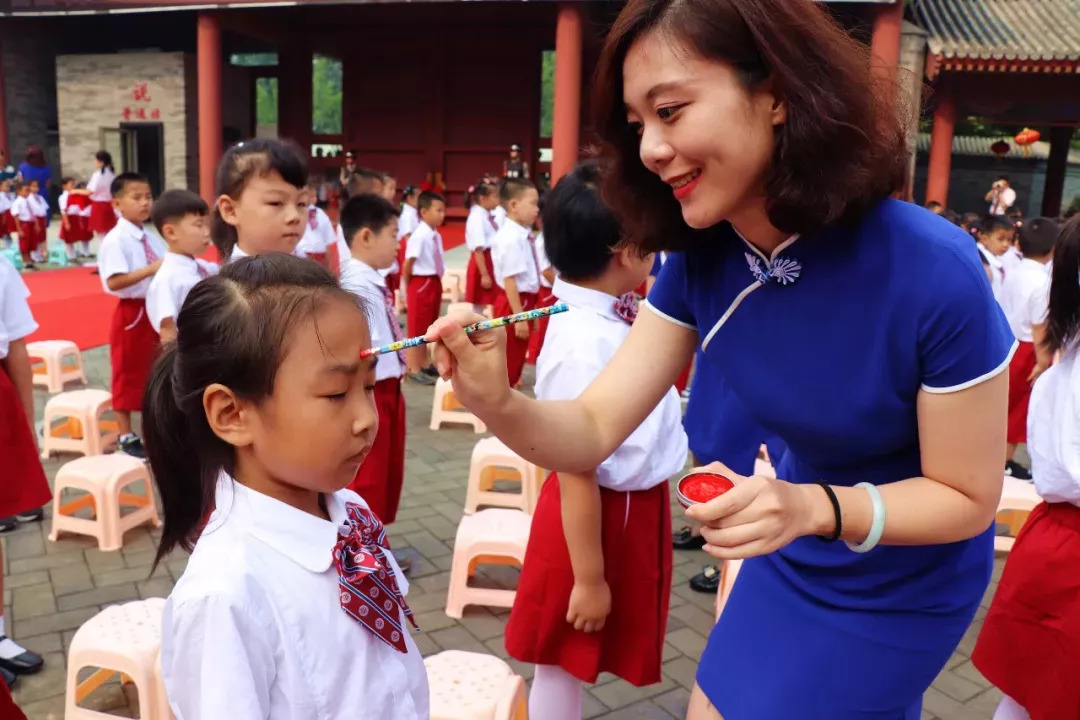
x=317, y=240
x=512, y=256
x=424, y=246
x=171, y=285
x=100, y=185
x=997, y=271
x=254, y=627
x=16, y=320
x=344, y=253
x=577, y=346
x=121, y=252
x=1053, y=432
x=5, y=202
x=20, y=208
x=1025, y=297
x=1004, y=200
x=63, y=202
x=479, y=229
x=542, y=262
x=407, y=221
x=366, y=282
x=39, y=205
x=499, y=213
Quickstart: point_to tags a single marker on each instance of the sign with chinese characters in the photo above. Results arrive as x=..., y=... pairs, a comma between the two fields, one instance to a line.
x=138, y=104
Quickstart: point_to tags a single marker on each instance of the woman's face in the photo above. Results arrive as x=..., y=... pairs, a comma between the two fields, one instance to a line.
x=701, y=131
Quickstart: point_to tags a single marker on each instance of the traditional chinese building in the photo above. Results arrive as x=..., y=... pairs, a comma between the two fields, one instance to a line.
x=435, y=90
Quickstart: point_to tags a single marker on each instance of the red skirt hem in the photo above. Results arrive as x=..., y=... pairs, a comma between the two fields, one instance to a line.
x=102, y=216
x=1023, y=362
x=24, y=487
x=423, y=298
x=636, y=538
x=1029, y=646
x=474, y=291
x=516, y=349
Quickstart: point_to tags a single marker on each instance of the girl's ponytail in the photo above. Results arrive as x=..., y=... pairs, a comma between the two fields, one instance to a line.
x=172, y=450
x=1063, y=319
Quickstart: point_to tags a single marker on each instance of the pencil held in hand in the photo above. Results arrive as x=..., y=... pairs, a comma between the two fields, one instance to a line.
x=474, y=328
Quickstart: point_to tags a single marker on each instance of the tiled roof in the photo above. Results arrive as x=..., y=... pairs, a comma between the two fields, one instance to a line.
x=973, y=145
x=1011, y=30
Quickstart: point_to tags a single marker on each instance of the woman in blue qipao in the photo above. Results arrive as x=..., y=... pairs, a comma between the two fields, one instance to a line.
x=752, y=136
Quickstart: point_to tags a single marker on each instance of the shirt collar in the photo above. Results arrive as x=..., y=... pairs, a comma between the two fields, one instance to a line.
x=582, y=297
x=303, y=538
x=370, y=273
x=237, y=253
x=518, y=228
x=1034, y=264
x=180, y=261
x=129, y=229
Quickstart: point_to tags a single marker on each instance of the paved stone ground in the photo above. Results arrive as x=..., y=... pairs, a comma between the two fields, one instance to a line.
x=52, y=588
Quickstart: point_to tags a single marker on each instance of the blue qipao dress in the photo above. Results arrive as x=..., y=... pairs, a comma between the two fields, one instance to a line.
x=827, y=344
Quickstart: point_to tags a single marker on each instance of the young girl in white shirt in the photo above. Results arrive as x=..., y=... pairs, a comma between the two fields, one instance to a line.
x=291, y=606
x=480, y=287
x=262, y=203
x=102, y=214
x=1030, y=642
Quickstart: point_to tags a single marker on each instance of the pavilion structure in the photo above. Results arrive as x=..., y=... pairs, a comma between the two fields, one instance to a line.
x=1009, y=62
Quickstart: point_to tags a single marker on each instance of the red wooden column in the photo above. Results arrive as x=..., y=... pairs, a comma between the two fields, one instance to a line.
x=3, y=112
x=937, y=173
x=567, y=108
x=885, y=41
x=1056, y=165
x=208, y=61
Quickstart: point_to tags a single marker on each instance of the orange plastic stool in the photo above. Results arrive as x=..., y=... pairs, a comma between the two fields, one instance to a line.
x=492, y=461
x=1018, y=499
x=103, y=478
x=53, y=372
x=121, y=640
x=474, y=686
x=497, y=537
x=82, y=428
x=446, y=409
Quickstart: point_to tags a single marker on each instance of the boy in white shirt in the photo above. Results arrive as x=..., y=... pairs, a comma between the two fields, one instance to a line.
x=589, y=529
x=995, y=238
x=127, y=259
x=516, y=270
x=1025, y=299
x=369, y=223
x=422, y=276
x=182, y=218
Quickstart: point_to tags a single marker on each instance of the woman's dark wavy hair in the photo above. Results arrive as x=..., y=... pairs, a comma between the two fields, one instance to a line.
x=241, y=163
x=1063, y=319
x=233, y=329
x=842, y=148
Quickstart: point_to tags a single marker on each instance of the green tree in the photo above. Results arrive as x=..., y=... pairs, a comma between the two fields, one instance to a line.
x=266, y=100
x=326, y=93
x=547, y=92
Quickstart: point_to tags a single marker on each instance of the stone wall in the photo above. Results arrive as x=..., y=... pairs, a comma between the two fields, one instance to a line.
x=96, y=92
x=29, y=93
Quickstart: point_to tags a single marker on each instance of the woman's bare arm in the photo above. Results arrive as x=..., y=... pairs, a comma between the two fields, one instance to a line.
x=575, y=435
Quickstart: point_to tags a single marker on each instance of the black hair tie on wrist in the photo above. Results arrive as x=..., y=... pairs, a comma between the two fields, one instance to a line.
x=836, y=512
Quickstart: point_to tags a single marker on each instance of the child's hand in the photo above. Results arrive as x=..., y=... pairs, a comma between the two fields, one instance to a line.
x=486, y=282
x=153, y=267
x=590, y=604
x=1035, y=373
x=521, y=330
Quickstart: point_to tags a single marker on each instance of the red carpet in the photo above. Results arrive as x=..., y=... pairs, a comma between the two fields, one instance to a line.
x=69, y=304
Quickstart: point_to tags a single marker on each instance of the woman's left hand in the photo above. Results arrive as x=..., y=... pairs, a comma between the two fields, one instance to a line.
x=756, y=517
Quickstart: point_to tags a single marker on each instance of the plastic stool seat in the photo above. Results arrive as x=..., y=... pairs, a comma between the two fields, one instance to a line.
x=474, y=686
x=54, y=372
x=446, y=409
x=494, y=536
x=1018, y=498
x=82, y=433
x=492, y=461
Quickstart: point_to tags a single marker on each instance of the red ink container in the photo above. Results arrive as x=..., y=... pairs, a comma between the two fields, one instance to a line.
x=700, y=487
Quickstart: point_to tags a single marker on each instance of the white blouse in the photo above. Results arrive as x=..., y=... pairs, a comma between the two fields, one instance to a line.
x=1053, y=439
x=254, y=628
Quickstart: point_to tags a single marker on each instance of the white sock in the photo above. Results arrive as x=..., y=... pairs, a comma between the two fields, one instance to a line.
x=8, y=647
x=1009, y=709
x=555, y=694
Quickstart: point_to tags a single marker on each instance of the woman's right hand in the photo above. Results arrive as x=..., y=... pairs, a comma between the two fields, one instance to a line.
x=475, y=364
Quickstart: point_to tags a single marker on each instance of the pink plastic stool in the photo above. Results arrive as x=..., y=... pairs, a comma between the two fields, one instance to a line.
x=53, y=372
x=82, y=433
x=474, y=686
x=446, y=409
x=497, y=537
x=451, y=283
x=1018, y=499
x=121, y=640
x=492, y=461
x=103, y=478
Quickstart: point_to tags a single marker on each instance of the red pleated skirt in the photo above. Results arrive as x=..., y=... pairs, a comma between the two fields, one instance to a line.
x=474, y=291
x=1020, y=367
x=516, y=349
x=636, y=538
x=380, y=478
x=102, y=216
x=23, y=486
x=1030, y=642
x=133, y=345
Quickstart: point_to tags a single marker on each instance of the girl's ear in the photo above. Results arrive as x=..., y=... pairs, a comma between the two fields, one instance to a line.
x=227, y=208
x=227, y=415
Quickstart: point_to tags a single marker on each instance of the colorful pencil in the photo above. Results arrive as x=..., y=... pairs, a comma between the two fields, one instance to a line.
x=474, y=328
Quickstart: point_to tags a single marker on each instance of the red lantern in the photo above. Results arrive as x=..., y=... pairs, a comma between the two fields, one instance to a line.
x=1000, y=148
x=1025, y=138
